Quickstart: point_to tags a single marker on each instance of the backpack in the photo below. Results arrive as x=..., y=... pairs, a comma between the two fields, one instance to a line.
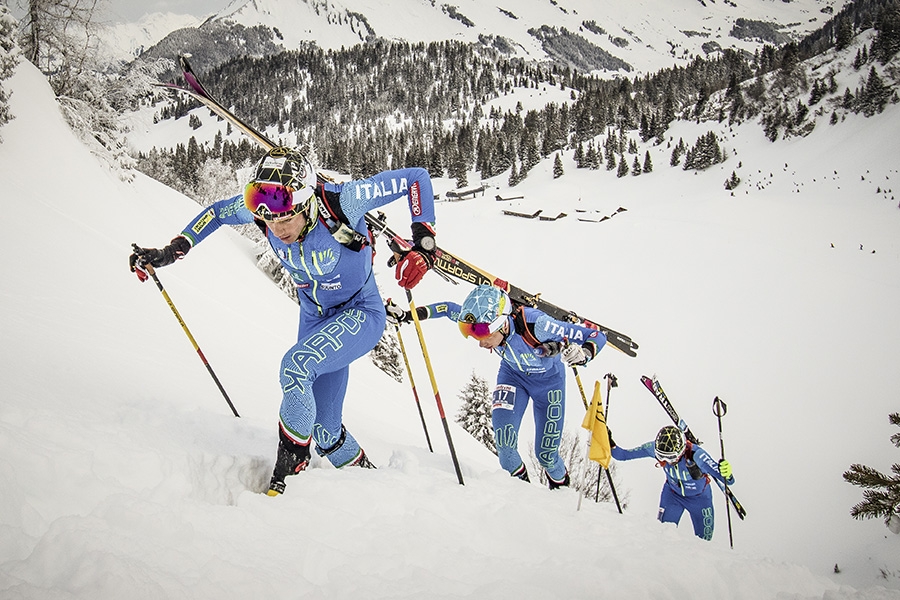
x=526, y=330
x=693, y=469
x=523, y=327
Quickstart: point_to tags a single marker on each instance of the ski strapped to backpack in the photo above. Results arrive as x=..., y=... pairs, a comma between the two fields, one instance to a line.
x=457, y=268
x=446, y=264
x=656, y=389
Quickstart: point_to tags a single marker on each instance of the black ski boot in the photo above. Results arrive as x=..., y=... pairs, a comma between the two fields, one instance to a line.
x=292, y=458
x=555, y=485
x=521, y=473
x=363, y=461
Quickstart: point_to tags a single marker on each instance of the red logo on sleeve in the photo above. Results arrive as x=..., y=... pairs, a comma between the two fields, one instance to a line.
x=415, y=203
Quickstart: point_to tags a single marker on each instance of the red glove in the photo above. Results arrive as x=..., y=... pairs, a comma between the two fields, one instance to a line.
x=412, y=267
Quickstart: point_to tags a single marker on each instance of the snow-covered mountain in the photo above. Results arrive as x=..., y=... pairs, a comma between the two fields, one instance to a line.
x=122, y=42
x=645, y=35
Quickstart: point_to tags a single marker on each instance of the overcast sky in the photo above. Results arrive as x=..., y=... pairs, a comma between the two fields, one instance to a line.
x=129, y=11
x=132, y=10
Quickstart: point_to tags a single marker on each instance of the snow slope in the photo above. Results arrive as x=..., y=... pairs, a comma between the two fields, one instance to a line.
x=122, y=471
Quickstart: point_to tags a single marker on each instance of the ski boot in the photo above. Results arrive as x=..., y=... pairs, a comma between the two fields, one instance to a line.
x=363, y=461
x=292, y=458
x=521, y=473
x=555, y=485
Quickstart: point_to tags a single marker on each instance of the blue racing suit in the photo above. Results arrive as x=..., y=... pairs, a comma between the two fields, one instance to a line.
x=687, y=485
x=341, y=312
x=530, y=372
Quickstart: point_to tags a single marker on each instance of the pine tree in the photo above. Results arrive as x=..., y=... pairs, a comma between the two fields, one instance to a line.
x=590, y=158
x=514, y=177
x=881, y=497
x=386, y=354
x=557, y=167
x=610, y=157
x=648, y=164
x=475, y=412
x=875, y=95
x=636, y=167
x=623, y=167
x=732, y=182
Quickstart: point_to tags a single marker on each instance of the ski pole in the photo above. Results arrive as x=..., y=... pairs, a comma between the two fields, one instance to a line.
x=612, y=487
x=611, y=382
x=413, y=384
x=719, y=409
x=152, y=272
x=434, y=386
x=580, y=387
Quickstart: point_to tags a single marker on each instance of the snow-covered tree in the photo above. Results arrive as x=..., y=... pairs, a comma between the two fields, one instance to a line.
x=557, y=167
x=648, y=164
x=475, y=412
x=881, y=497
x=386, y=354
x=705, y=153
x=623, y=167
x=732, y=182
x=9, y=57
x=59, y=38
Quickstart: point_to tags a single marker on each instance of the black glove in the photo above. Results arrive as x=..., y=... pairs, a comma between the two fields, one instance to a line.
x=423, y=238
x=612, y=443
x=176, y=250
x=395, y=314
x=550, y=348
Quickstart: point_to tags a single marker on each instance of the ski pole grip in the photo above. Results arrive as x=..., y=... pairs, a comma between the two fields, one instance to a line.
x=719, y=407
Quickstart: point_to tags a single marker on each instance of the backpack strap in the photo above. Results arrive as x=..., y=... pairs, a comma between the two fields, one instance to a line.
x=694, y=470
x=332, y=216
x=524, y=328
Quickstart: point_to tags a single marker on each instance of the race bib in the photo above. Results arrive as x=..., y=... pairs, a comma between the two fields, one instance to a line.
x=504, y=397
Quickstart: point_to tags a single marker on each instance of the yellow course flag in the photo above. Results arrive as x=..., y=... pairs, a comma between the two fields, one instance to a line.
x=595, y=422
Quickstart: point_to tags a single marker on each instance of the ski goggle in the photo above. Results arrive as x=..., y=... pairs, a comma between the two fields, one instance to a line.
x=272, y=201
x=481, y=331
x=667, y=454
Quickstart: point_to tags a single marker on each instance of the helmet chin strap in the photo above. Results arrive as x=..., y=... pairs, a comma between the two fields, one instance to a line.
x=311, y=213
x=505, y=330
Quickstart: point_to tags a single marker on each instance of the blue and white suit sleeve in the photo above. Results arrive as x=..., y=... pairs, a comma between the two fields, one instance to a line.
x=449, y=310
x=414, y=183
x=709, y=465
x=647, y=450
x=548, y=329
x=230, y=211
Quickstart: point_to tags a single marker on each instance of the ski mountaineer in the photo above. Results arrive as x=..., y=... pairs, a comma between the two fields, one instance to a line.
x=341, y=311
x=688, y=468
x=535, y=350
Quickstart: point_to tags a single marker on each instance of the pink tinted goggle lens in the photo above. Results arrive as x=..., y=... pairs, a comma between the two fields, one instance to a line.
x=479, y=331
x=269, y=201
